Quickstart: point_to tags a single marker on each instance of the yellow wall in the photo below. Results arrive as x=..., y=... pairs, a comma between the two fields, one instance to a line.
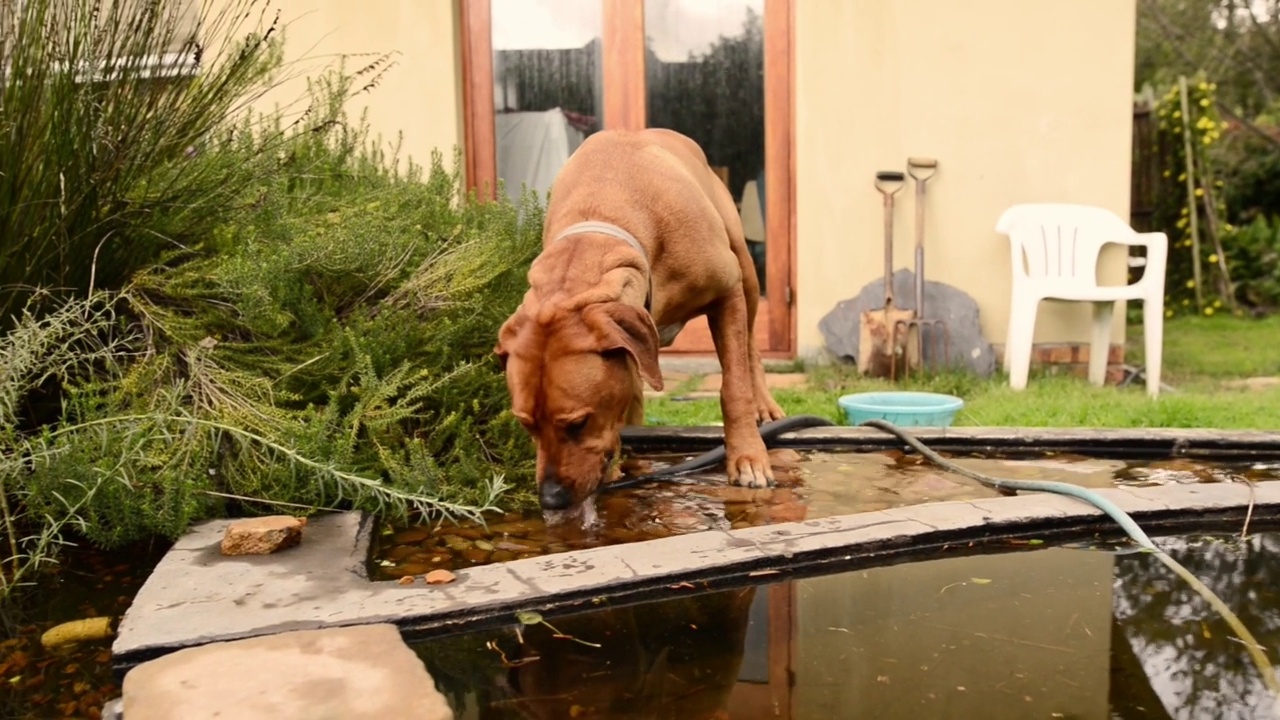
x=1019, y=100
x=420, y=96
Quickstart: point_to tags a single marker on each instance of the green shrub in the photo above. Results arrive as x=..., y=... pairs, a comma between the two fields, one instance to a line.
x=104, y=157
x=321, y=337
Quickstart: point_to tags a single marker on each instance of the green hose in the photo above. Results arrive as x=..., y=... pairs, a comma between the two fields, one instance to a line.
x=1120, y=516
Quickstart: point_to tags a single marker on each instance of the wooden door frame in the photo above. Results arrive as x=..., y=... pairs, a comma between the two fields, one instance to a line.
x=623, y=60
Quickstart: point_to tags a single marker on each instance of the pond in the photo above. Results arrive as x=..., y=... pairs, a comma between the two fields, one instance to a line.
x=1061, y=632
x=810, y=485
x=72, y=681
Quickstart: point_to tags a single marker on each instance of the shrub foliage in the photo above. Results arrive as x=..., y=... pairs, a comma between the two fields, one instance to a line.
x=276, y=315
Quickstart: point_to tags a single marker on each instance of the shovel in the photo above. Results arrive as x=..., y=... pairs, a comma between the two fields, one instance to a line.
x=878, y=349
x=930, y=334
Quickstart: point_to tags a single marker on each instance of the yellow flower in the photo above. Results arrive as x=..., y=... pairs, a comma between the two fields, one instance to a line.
x=1182, y=177
x=1213, y=86
x=1191, y=283
x=1177, y=114
x=1208, y=140
x=1185, y=302
x=1168, y=173
x=1213, y=258
x=1168, y=313
x=1223, y=125
x=1182, y=222
x=1217, y=183
x=1229, y=227
x=1208, y=311
x=1204, y=86
x=1217, y=303
x=1186, y=243
x=1204, y=102
x=1199, y=192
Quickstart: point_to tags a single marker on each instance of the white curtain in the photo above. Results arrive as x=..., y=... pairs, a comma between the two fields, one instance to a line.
x=532, y=146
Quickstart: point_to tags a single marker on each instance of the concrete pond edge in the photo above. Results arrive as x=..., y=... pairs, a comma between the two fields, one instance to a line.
x=196, y=596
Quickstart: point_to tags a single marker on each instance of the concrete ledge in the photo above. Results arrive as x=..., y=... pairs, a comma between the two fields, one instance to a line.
x=1129, y=443
x=195, y=596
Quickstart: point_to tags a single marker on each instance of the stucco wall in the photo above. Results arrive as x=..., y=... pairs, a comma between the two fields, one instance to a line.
x=420, y=96
x=1019, y=101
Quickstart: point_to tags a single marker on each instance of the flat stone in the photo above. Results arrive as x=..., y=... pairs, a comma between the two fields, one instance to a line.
x=262, y=536
x=350, y=672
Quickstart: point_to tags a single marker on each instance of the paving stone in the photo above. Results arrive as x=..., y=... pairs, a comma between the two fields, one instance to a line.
x=347, y=673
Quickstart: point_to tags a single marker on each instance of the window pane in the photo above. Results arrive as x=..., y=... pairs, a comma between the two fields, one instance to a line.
x=546, y=86
x=704, y=68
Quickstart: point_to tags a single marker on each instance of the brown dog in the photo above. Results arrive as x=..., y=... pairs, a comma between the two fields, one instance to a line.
x=640, y=237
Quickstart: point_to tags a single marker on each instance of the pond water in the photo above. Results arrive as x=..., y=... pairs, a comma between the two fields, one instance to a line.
x=810, y=485
x=1060, y=632
x=73, y=681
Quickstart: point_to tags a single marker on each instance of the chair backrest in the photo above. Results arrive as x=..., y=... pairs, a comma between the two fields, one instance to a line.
x=1060, y=240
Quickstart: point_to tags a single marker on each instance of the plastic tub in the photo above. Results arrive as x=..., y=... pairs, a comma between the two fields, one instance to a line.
x=902, y=408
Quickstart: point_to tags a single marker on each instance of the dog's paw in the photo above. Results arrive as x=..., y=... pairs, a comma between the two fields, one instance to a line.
x=769, y=410
x=750, y=469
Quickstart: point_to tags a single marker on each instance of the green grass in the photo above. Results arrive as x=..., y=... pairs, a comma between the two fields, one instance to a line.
x=1200, y=353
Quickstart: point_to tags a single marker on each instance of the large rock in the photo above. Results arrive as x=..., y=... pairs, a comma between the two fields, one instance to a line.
x=351, y=673
x=262, y=536
x=967, y=349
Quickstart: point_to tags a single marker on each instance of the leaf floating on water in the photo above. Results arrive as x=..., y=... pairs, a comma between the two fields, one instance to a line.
x=439, y=577
x=1035, y=541
x=528, y=617
x=980, y=581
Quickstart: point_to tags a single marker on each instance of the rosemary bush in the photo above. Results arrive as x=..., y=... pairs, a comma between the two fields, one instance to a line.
x=233, y=313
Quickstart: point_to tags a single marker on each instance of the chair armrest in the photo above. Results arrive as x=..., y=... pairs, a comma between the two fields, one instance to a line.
x=1142, y=239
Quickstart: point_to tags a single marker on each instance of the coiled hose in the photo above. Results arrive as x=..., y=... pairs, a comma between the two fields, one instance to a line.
x=771, y=430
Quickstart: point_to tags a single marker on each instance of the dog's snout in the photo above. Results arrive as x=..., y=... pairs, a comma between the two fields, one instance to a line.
x=552, y=495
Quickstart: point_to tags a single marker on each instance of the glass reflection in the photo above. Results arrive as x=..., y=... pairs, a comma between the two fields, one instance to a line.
x=547, y=86
x=704, y=69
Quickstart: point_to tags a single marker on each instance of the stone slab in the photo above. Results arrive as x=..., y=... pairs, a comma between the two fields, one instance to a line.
x=195, y=596
x=341, y=673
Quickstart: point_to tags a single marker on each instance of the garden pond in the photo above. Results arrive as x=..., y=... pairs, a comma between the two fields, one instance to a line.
x=1063, y=631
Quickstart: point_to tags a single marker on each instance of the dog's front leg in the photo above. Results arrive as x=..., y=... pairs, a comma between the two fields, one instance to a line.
x=747, y=459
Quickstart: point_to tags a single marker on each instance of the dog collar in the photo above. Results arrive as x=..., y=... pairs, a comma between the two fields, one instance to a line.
x=613, y=231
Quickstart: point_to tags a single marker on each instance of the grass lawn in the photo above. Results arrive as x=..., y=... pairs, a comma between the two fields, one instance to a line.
x=1200, y=355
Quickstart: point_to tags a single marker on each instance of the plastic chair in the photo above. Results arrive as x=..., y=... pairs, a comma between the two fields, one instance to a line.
x=1055, y=249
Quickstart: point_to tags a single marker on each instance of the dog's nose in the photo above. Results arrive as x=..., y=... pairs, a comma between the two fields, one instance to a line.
x=553, y=496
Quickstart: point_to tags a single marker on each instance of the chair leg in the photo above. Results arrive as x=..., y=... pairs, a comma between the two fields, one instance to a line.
x=1153, y=341
x=1017, y=350
x=1100, y=346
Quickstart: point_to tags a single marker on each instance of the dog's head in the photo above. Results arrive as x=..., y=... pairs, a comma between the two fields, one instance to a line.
x=573, y=374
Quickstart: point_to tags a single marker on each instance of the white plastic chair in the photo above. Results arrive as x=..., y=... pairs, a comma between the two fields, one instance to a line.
x=1055, y=250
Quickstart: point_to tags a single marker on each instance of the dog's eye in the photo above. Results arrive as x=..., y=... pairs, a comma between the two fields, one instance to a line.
x=576, y=427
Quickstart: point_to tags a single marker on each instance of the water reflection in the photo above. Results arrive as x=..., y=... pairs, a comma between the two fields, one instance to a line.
x=1054, y=633
x=704, y=77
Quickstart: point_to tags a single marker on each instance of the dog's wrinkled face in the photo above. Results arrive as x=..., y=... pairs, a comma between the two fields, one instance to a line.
x=573, y=379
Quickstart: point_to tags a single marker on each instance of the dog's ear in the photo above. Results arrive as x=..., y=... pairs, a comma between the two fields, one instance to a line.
x=507, y=335
x=619, y=326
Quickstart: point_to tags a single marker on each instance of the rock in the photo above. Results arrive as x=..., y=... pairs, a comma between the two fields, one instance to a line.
x=412, y=535
x=967, y=348
x=262, y=536
x=351, y=672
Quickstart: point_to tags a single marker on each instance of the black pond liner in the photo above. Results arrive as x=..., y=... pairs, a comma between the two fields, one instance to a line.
x=1124, y=444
